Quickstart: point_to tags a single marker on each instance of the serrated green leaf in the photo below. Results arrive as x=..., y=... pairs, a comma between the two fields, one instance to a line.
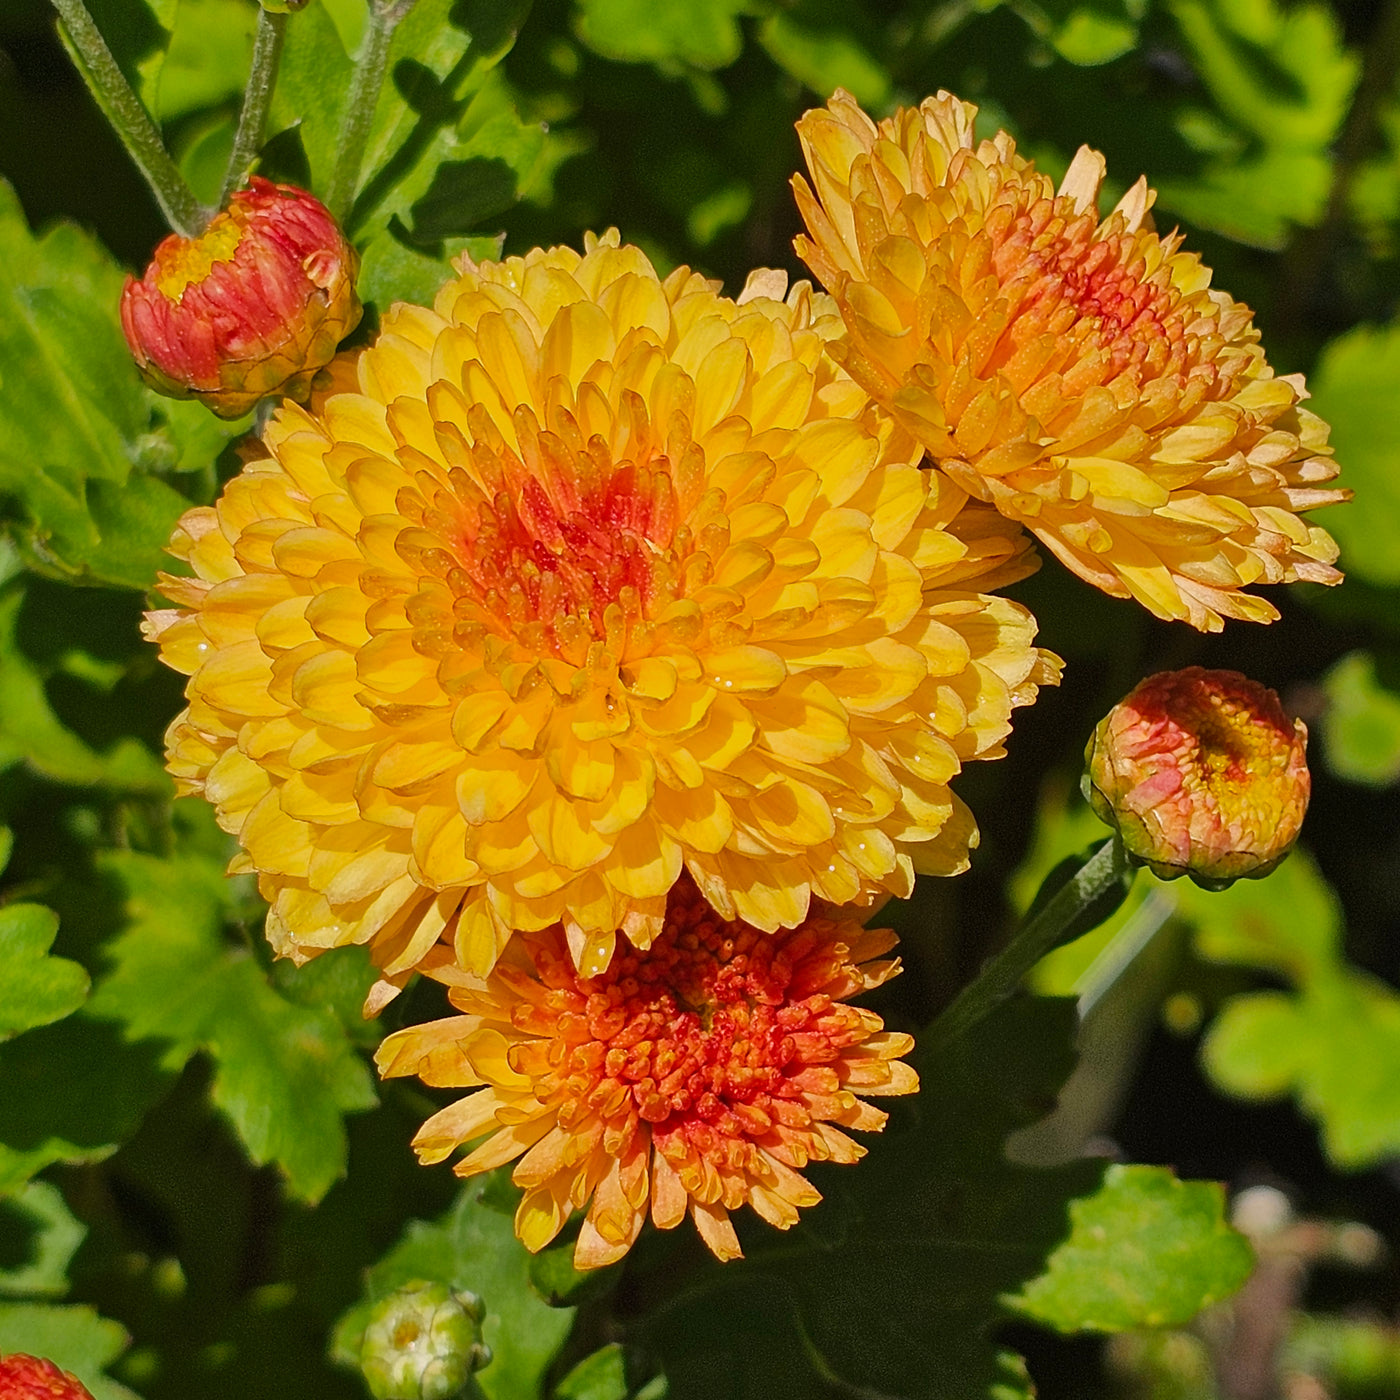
x=76, y=1339
x=704, y=33
x=1336, y=1047
x=1353, y=390
x=36, y=988
x=284, y=1074
x=473, y=1247
x=1145, y=1250
x=80, y=436
x=50, y=1235
x=74, y=1092
x=1361, y=724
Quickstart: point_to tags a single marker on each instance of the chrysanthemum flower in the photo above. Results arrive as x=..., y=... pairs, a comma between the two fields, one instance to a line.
x=254, y=305
x=585, y=578
x=1203, y=774
x=700, y=1075
x=1080, y=374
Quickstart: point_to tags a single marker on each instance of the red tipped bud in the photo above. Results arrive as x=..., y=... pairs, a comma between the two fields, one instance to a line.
x=32, y=1378
x=253, y=306
x=1203, y=775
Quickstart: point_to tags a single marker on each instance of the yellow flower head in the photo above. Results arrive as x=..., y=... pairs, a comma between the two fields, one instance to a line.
x=1203, y=774
x=575, y=581
x=700, y=1075
x=1078, y=373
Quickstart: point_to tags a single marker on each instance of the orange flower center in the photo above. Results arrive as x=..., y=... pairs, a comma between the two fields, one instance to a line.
x=559, y=546
x=708, y=1034
x=183, y=261
x=1070, y=283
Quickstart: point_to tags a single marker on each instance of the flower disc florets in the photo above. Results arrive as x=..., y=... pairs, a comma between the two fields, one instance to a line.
x=698, y=1075
x=578, y=580
x=254, y=305
x=1079, y=374
x=1203, y=775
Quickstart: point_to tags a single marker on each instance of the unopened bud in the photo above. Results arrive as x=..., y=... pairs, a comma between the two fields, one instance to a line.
x=254, y=305
x=1203, y=775
x=32, y=1378
x=422, y=1343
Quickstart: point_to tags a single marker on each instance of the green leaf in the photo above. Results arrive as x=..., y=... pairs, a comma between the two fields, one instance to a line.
x=1282, y=82
x=51, y=1234
x=74, y=1092
x=76, y=1339
x=1361, y=724
x=602, y=1376
x=284, y=1074
x=82, y=442
x=36, y=988
x=823, y=44
x=392, y=269
x=1336, y=1047
x=1145, y=1250
x=473, y=1247
x=206, y=59
x=30, y=730
x=704, y=33
x=313, y=81
x=1353, y=389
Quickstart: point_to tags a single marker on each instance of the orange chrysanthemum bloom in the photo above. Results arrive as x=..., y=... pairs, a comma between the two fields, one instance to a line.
x=580, y=579
x=699, y=1075
x=1080, y=374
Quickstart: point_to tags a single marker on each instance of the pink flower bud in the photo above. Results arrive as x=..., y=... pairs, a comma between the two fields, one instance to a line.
x=254, y=305
x=32, y=1378
x=1203, y=775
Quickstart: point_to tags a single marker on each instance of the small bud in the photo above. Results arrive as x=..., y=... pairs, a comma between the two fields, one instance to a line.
x=32, y=1378
x=254, y=305
x=1203, y=775
x=422, y=1343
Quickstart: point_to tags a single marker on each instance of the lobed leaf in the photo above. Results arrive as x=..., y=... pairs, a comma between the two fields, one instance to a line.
x=75, y=1338
x=37, y=988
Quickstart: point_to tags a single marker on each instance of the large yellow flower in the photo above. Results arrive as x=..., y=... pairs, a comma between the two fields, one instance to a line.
x=700, y=1075
x=580, y=579
x=1079, y=374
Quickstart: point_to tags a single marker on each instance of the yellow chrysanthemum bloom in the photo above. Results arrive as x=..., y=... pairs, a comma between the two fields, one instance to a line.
x=1079, y=374
x=698, y=1076
x=580, y=579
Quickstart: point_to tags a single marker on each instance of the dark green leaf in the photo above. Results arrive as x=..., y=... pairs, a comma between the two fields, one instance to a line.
x=49, y=1235
x=285, y=1074
x=474, y=1248
x=36, y=988
x=700, y=32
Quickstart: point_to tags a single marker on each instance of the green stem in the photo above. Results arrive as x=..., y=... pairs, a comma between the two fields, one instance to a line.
x=368, y=78
x=1003, y=973
x=131, y=121
x=257, y=98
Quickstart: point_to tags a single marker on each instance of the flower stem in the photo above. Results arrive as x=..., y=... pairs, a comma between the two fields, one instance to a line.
x=368, y=78
x=1080, y=904
x=257, y=98
x=131, y=121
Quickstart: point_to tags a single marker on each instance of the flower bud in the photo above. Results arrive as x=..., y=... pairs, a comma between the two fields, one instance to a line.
x=1203, y=775
x=32, y=1378
x=254, y=305
x=422, y=1343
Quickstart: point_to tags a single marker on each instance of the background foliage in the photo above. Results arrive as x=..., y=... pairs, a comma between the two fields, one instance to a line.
x=202, y=1188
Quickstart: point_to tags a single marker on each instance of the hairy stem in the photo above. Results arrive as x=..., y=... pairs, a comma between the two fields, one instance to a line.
x=1092, y=884
x=130, y=120
x=365, y=84
x=257, y=98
